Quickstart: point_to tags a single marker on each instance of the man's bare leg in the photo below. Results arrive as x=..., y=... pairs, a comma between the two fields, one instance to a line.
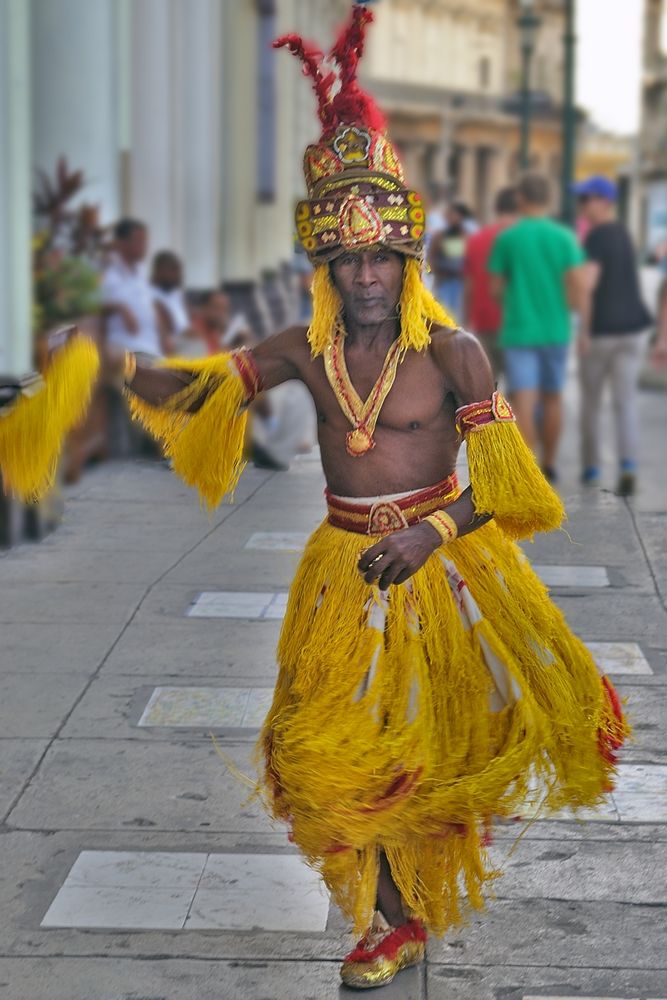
x=389, y=901
x=524, y=402
x=552, y=422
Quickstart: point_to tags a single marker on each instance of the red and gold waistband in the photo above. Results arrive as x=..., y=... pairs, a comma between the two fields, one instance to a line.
x=384, y=515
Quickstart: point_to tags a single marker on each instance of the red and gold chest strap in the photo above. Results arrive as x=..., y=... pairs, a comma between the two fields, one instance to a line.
x=362, y=415
x=243, y=362
x=476, y=416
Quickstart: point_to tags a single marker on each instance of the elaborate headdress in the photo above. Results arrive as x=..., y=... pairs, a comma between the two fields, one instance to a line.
x=357, y=196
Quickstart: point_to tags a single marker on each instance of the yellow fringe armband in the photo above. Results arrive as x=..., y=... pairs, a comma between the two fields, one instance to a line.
x=206, y=446
x=32, y=432
x=505, y=478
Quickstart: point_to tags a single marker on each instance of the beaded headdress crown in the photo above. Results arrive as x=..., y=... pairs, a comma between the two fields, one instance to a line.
x=356, y=188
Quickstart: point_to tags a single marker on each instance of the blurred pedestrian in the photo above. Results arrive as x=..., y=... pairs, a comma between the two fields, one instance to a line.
x=611, y=345
x=167, y=284
x=131, y=316
x=538, y=274
x=446, y=252
x=481, y=310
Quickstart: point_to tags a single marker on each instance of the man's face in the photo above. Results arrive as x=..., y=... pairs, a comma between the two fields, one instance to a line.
x=370, y=283
x=168, y=274
x=593, y=208
x=134, y=247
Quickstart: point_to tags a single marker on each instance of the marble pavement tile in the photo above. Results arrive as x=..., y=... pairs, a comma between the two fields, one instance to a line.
x=641, y=793
x=277, y=541
x=619, y=657
x=237, y=604
x=573, y=576
x=127, y=908
x=196, y=707
x=270, y=892
x=134, y=869
x=259, y=703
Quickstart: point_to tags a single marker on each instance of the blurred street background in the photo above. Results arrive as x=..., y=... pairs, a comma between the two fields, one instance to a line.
x=151, y=155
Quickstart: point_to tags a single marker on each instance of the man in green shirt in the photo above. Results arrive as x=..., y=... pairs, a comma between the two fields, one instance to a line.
x=537, y=269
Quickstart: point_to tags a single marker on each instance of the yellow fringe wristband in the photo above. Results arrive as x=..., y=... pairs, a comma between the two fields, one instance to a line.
x=444, y=524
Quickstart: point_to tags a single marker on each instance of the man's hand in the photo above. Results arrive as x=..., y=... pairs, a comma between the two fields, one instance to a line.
x=583, y=344
x=395, y=558
x=659, y=353
x=128, y=318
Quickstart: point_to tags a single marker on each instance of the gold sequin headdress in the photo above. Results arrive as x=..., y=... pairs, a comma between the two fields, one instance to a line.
x=356, y=189
x=357, y=197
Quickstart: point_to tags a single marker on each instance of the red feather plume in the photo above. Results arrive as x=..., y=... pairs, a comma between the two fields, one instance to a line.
x=350, y=105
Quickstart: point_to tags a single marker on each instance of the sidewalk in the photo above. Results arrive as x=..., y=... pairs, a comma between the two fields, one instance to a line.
x=132, y=866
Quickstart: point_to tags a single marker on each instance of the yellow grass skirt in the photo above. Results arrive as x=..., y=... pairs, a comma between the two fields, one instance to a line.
x=407, y=721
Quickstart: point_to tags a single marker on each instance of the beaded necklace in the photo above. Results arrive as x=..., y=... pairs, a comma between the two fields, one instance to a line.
x=362, y=415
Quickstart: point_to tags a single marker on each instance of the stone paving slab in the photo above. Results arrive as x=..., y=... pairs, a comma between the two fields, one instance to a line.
x=102, y=784
x=34, y=706
x=19, y=758
x=56, y=647
x=74, y=564
x=584, y=871
x=616, y=617
x=174, y=979
x=114, y=705
x=89, y=603
x=481, y=983
x=543, y=932
x=183, y=647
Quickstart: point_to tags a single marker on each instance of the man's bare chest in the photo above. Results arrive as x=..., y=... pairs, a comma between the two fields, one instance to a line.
x=418, y=398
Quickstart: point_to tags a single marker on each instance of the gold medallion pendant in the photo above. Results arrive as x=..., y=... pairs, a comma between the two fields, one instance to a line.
x=362, y=415
x=358, y=442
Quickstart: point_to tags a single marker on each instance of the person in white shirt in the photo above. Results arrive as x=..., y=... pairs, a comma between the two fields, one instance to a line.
x=167, y=286
x=132, y=319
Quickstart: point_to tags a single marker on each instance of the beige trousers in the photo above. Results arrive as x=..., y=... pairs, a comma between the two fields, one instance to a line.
x=617, y=359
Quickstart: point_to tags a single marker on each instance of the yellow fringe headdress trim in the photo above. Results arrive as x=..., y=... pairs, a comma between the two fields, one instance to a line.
x=206, y=447
x=31, y=434
x=419, y=310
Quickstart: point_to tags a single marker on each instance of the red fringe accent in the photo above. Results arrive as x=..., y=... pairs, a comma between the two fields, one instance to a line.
x=400, y=788
x=350, y=105
x=388, y=947
x=611, y=740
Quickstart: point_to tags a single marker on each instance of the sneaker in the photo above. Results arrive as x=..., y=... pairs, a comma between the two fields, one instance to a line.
x=627, y=485
x=382, y=953
x=590, y=476
x=550, y=474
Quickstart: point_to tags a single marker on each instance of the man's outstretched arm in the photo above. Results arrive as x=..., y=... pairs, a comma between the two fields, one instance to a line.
x=157, y=384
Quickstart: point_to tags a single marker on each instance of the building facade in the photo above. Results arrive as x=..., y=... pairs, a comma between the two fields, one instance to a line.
x=449, y=74
x=653, y=138
x=179, y=113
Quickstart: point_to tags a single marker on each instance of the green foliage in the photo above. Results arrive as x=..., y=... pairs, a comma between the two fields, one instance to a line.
x=64, y=288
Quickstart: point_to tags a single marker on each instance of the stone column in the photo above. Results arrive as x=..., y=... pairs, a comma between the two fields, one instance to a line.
x=74, y=87
x=467, y=186
x=197, y=161
x=15, y=182
x=153, y=91
x=15, y=175
x=239, y=141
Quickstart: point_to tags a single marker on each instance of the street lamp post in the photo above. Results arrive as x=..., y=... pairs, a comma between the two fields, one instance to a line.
x=528, y=23
x=569, y=113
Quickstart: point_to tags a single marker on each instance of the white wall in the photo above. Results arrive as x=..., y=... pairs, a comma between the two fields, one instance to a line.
x=74, y=86
x=15, y=270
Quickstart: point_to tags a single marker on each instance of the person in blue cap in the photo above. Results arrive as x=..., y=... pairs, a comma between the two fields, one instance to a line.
x=611, y=344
